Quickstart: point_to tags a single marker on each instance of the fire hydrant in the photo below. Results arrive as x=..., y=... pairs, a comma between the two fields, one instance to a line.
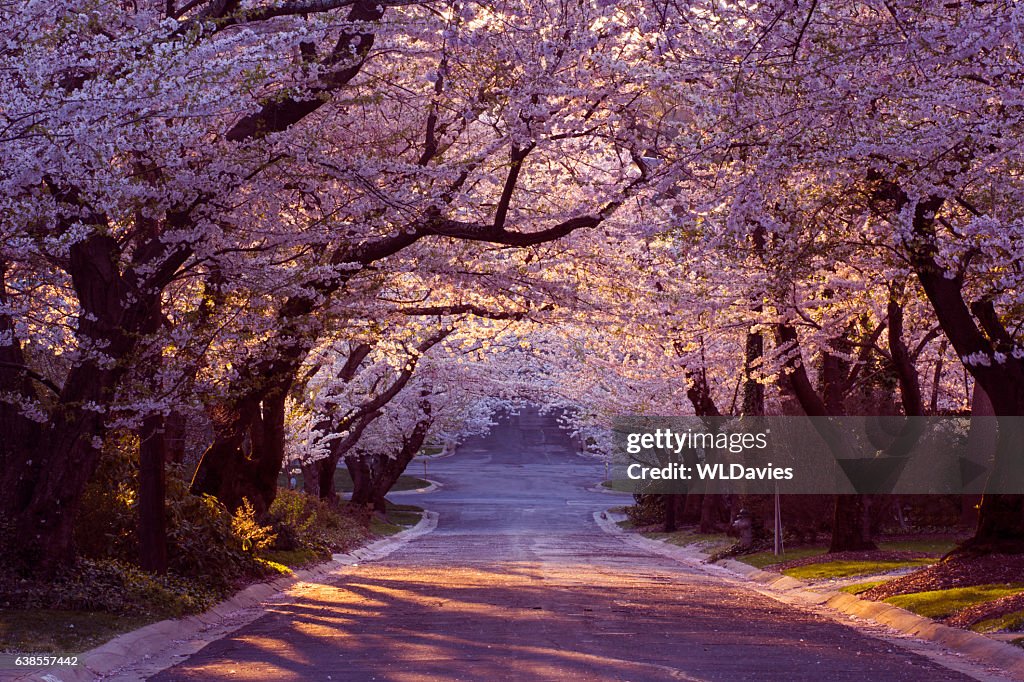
x=744, y=527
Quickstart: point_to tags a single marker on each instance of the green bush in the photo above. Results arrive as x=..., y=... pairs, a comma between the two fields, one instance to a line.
x=105, y=527
x=302, y=522
x=202, y=541
x=647, y=510
x=245, y=527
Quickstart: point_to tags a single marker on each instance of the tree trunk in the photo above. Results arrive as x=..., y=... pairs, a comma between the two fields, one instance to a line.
x=974, y=330
x=318, y=478
x=710, y=512
x=669, y=503
x=851, y=525
x=175, y=437
x=152, y=526
x=362, y=480
x=44, y=478
x=390, y=469
x=311, y=479
x=18, y=468
x=47, y=523
x=373, y=477
x=1001, y=516
x=689, y=506
x=217, y=473
x=982, y=442
x=328, y=489
x=226, y=470
x=753, y=390
x=1000, y=525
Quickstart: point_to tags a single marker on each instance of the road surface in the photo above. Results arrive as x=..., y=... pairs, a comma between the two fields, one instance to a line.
x=519, y=583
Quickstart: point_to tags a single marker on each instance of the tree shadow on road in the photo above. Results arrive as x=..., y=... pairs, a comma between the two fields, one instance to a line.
x=579, y=622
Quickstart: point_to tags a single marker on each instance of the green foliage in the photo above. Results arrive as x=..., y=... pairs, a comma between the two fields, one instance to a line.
x=343, y=481
x=648, y=510
x=301, y=522
x=292, y=558
x=201, y=538
x=106, y=523
x=620, y=486
x=202, y=541
x=767, y=558
x=939, y=545
x=112, y=586
x=399, y=517
x=52, y=631
x=245, y=527
x=942, y=603
x=706, y=542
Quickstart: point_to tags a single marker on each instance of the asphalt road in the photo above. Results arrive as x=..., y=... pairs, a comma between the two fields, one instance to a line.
x=519, y=583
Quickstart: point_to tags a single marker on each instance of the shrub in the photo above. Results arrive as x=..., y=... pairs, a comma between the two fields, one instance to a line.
x=302, y=522
x=648, y=510
x=246, y=528
x=105, y=526
x=202, y=541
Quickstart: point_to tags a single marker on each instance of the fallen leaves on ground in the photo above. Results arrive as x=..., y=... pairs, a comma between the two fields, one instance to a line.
x=957, y=571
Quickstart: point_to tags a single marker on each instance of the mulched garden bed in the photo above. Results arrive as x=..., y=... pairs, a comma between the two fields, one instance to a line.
x=965, y=571
x=993, y=609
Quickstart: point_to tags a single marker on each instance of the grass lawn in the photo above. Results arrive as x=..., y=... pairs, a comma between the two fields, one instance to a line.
x=846, y=569
x=620, y=486
x=682, y=538
x=33, y=632
x=762, y=559
x=292, y=558
x=343, y=482
x=399, y=517
x=935, y=546
x=942, y=603
x=938, y=546
x=857, y=588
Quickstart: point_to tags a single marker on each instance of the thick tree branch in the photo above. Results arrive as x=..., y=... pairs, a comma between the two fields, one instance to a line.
x=32, y=374
x=352, y=47
x=788, y=342
x=903, y=362
x=356, y=421
x=463, y=309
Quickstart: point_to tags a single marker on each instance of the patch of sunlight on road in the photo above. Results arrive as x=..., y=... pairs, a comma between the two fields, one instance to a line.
x=280, y=648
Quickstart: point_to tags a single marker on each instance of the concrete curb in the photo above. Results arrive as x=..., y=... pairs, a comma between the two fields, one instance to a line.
x=434, y=485
x=980, y=648
x=440, y=455
x=607, y=491
x=141, y=653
